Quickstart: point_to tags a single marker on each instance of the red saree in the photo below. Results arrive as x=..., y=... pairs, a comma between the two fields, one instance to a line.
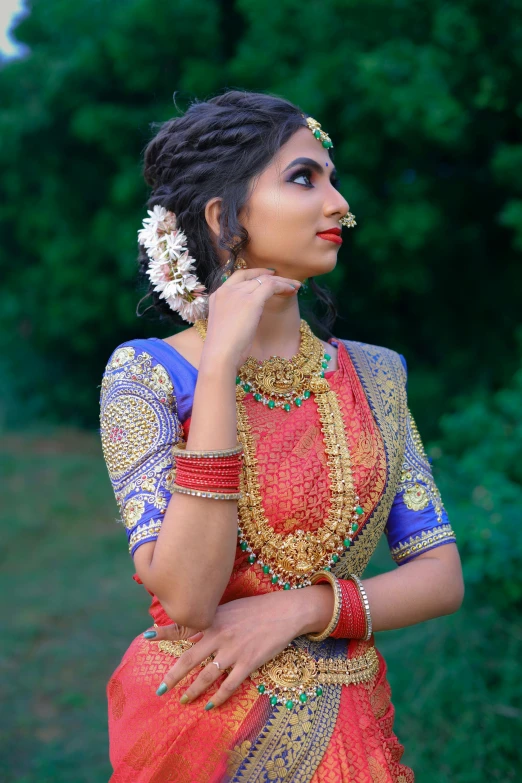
x=344, y=736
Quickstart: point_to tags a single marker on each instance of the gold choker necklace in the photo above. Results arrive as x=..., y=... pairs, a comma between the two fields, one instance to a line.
x=293, y=558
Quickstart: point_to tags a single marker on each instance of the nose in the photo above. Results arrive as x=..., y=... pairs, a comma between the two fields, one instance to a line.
x=336, y=204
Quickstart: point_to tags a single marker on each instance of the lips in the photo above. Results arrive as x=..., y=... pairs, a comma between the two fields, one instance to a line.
x=332, y=234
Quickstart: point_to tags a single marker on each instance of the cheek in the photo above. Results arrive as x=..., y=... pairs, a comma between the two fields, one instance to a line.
x=282, y=215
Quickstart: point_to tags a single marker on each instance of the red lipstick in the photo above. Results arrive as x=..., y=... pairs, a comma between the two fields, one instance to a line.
x=332, y=234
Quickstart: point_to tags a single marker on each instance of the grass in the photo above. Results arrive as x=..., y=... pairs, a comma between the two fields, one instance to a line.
x=72, y=609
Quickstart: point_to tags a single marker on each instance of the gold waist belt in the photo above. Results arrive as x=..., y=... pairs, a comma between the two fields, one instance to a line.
x=294, y=675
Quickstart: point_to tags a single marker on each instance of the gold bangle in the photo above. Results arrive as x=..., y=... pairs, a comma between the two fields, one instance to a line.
x=366, y=605
x=206, y=494
x=179, y=450
x=338, y=600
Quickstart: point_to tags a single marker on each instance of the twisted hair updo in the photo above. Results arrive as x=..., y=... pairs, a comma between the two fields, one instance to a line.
x=215, y=150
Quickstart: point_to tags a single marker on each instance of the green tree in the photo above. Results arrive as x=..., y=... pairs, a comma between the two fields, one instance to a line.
x=422, y=100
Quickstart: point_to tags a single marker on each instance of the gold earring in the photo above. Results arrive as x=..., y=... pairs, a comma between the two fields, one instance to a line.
x=348, y=220
x=240, y=264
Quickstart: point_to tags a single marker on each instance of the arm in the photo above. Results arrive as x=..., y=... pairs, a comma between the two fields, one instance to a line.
x=189, y=565
x=429, y=586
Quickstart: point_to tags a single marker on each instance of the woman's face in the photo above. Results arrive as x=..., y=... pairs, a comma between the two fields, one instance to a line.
x=290, y=203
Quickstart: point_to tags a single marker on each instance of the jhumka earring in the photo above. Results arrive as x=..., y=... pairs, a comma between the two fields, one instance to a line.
x=239, y=263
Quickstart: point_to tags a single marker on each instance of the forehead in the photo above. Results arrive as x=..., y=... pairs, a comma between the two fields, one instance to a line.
x=302, y=144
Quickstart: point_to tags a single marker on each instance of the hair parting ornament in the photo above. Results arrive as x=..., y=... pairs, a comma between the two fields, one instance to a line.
x=171, y=269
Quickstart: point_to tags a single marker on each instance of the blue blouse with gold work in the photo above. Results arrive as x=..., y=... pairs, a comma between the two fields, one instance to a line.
x=146, y=396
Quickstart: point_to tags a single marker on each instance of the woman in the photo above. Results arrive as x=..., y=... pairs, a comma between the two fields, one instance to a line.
x=314, y=455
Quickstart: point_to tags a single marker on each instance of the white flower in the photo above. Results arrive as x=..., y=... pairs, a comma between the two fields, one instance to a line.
x=171, y=269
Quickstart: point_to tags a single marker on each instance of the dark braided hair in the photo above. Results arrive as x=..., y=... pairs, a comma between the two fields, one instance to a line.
x=215, y=150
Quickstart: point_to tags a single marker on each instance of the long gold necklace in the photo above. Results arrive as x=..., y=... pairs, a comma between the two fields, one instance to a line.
x=291, y=559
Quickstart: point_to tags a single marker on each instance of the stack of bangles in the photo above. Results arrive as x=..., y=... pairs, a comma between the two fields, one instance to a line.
x=351, y=617
x=208, y=474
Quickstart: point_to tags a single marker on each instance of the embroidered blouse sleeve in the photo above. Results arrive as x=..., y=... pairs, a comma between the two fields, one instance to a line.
x=418, y=521
x=139, y=425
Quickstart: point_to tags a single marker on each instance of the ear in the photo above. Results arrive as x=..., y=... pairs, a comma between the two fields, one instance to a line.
x=212, y=215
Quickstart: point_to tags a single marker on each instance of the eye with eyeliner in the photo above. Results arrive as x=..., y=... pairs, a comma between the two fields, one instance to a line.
x=306, y=172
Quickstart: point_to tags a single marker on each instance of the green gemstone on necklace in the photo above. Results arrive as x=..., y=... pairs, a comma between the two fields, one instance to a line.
x=359, y=510
x=322, y=374
x=307, y=394
x=303, y=698
x=266, y=569
x=287, y=586
x=354, y=526
x=271, y=404
x=275, y=579
x=252, y=559
x=317, y=134
x=327, y=568
x=257, y=397
x=287, y=407
x=261, y=688
x=318, y=691
x=298, y=401
x=246, y=387
x=273, y=701
x=327, y=357
x=243, y=546
x=335, y=558
x=324, y=365
x=327, y=144
x=347, y=543
x=289, y=704
x=238, y=380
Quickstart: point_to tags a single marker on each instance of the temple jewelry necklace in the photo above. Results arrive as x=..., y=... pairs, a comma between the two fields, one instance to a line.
x=279, y=382
x=292, y=559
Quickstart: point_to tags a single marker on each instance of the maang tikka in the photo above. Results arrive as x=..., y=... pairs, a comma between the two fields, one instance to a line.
x=324, y=139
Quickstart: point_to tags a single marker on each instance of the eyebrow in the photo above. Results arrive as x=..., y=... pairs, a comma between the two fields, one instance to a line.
x=309, y=162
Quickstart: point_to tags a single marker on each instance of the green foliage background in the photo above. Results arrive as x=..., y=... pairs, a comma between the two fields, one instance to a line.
x=423, y=101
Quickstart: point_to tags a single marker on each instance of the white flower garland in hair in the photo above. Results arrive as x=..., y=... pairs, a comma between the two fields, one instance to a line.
x=171, y=268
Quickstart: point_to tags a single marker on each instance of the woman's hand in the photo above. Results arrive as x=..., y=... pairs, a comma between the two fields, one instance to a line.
x=235, y=310
x=245, y=634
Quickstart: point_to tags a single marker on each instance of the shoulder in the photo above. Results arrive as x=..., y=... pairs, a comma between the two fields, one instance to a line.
x=377, y=358
x=138, y=363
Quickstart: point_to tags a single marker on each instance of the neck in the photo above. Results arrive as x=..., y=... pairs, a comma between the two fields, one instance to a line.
x=278, y=330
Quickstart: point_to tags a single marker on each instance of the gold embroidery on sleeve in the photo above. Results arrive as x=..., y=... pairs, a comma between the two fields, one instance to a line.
x=422, y=542
x=139, y=426
x=417, y=481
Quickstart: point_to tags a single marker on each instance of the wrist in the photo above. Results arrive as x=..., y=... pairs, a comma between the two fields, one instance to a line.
x=317, y=608
x=215, y=363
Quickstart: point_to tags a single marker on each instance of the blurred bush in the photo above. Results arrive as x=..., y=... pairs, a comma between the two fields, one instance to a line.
x=423, y=103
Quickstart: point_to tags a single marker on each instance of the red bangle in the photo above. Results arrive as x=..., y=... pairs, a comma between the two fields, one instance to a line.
x=352, y=621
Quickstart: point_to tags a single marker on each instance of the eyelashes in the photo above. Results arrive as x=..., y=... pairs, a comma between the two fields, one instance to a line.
x=305, y=172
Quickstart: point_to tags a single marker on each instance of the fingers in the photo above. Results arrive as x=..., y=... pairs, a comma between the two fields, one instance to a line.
x=228, y=687
x=185, y=663
x=265, y=287
x=267, y=276
x=172, y=633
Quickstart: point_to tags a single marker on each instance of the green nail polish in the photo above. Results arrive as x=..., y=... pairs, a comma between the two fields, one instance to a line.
x=272, y=268
x=162, y=689
x=150, y=634
x=184, y=699
x=209, y=706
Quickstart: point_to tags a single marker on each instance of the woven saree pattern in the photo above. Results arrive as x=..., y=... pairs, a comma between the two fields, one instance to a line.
x=346, y=735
